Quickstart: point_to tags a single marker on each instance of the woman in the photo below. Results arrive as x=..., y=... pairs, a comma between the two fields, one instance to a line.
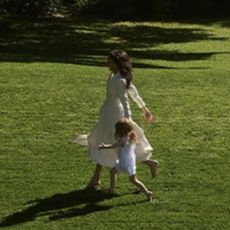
x=116, y=106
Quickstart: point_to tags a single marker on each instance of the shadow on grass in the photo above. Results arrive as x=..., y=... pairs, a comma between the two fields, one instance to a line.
x=87, y=43
x=72, y=204
x=225, y=23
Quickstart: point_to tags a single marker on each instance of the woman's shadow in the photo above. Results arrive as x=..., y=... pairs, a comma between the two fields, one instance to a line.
x=58, y=206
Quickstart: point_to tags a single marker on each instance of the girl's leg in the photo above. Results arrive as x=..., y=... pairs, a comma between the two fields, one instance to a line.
x=113, y=179
x=153, y=164
x=141, y=186
x=95, y=180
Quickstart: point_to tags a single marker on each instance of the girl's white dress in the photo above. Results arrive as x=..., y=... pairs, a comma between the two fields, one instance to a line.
x=127, y=158
x=116, y=106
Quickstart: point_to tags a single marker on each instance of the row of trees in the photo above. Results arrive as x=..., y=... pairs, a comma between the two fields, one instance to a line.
x=123, y=9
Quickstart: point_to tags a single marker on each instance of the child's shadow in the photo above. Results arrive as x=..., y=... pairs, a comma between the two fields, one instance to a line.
x=61, y=206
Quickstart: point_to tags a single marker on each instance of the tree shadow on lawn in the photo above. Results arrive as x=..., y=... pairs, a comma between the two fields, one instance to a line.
x=226, y=23
x=88, y=43
x=58, y=206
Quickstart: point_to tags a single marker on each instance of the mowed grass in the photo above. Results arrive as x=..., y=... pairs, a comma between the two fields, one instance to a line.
x=52, y=84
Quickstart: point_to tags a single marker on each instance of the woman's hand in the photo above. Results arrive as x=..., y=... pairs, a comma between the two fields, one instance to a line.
x=148, y=115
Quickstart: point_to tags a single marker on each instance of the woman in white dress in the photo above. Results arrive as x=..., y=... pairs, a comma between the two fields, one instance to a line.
x=116, y=106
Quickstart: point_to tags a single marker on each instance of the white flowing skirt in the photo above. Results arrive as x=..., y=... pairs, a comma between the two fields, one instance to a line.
x=103, y=132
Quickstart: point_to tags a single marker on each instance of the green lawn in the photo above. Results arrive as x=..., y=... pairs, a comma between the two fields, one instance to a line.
x=52, y=84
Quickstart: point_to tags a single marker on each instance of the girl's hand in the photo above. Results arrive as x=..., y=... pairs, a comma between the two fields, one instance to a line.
x=101, y=146
x=148, y=115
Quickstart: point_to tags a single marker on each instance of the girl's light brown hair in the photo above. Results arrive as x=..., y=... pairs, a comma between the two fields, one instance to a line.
x=124, y=128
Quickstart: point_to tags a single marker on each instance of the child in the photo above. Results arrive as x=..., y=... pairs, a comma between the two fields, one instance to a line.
x=126, y=142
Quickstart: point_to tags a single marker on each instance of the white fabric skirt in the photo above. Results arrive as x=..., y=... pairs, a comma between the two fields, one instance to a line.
x=103, y=132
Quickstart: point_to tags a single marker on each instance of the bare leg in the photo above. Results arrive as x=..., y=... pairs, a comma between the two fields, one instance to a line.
x=95, y=180
x=153, y=164
x=113, y=179
x=141, y=186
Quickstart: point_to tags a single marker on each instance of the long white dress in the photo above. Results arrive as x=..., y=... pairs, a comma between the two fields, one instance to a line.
x=116, y=106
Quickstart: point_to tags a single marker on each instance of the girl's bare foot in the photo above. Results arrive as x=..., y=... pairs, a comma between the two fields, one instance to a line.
x=154, y=166
x=149, y=196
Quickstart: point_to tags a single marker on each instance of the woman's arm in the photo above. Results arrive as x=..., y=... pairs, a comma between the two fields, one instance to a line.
x=122, y=95
x=133, y=93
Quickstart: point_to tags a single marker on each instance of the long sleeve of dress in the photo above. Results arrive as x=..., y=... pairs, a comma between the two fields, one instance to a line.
x=123, y=96
x=133, y=93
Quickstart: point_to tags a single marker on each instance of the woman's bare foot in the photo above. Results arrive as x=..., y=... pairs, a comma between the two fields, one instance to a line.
x=149, y=196
x=154, y=166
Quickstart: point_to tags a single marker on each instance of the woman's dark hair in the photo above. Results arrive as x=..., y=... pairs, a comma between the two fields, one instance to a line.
x=122, y=60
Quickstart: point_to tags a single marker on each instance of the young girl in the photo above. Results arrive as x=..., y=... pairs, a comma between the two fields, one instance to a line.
x=126, y=143
x=116, y=106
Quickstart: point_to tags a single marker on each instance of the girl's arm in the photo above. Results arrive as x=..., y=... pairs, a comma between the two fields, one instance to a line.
x=108, y=146
x=117, y=144
x=133, y=93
